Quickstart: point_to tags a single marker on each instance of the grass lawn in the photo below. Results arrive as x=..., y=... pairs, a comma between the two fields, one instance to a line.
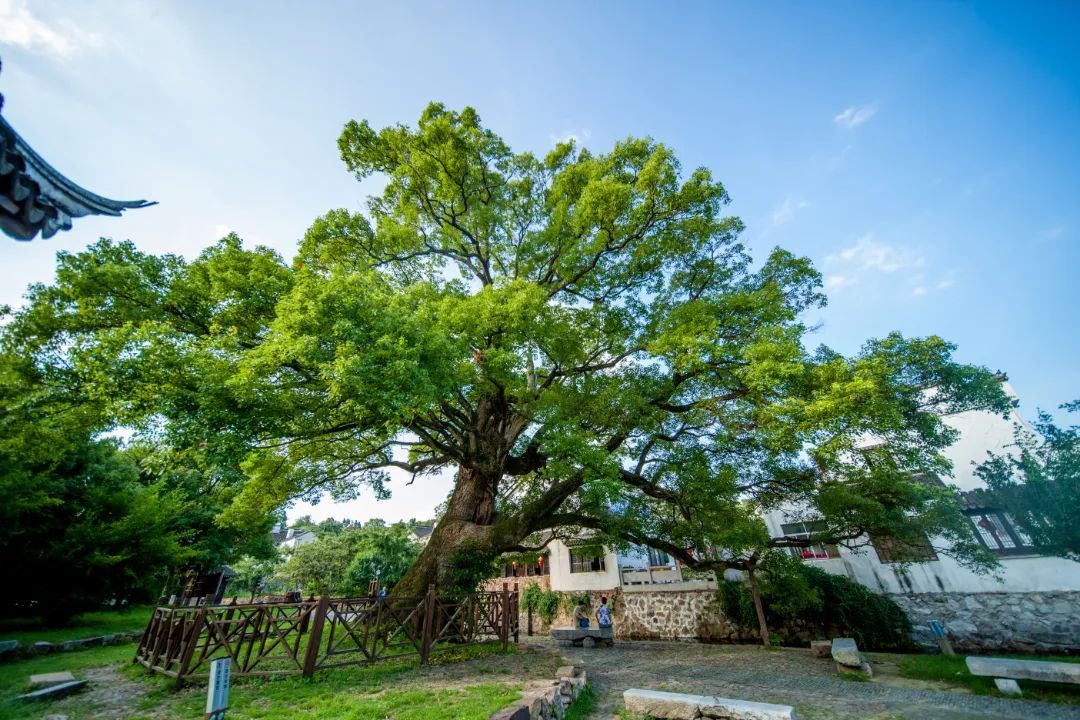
x=91, y=624
x=462, y=683
x=952, y=669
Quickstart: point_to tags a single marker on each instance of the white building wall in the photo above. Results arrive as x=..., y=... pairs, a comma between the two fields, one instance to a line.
x=980, y=432
x=562, y=580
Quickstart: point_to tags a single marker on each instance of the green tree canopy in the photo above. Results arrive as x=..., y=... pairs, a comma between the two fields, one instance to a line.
x=581, y=337
x=1039, y=483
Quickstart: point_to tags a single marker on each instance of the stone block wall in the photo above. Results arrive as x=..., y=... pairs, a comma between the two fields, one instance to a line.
x=998, y=622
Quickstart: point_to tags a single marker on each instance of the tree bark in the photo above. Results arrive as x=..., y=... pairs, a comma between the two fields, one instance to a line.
x=468, y=522
x=763, y=627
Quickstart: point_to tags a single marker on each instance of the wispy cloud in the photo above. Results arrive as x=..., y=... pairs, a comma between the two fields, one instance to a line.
x=867, y=260
x=1053, y=233
x=787, y=209
x=868, y=254
x=21, y=28
x=855, y=116
x=580, y=137
x=835, y=282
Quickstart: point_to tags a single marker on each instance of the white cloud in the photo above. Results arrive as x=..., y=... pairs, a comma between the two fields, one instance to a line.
x=835, y=282
x=868, y=254
x=855, y=115
x=919, y=290
x=221, y=231
x=579, y=137
x=946, y=284
x=19, y=27
x=787, y=209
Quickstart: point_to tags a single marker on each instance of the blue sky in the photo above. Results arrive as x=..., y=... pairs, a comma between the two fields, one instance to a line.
x=925, y=155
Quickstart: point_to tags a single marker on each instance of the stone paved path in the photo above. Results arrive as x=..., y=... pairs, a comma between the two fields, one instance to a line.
x=790, y=677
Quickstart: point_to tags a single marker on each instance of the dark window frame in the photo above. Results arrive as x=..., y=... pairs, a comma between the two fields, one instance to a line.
x=890, y=550
x=586, y=563
x=998, y=518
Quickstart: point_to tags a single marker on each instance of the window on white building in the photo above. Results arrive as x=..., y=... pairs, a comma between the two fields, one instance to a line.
x=997, y=531
x=658, y=558
x=585, y=562
x=805, y=531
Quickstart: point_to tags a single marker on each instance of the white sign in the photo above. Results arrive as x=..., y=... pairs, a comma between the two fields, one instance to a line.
x=217, y=695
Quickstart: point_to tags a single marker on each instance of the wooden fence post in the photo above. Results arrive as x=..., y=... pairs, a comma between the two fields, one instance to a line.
x=516, y=612
x=191, y=642
x=311, y=656
x=428, y=628
x=504, y=631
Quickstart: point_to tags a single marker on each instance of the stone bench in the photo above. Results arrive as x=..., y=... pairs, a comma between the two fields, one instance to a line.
x=658, y=704
x=1006, y=671
x=848, y=658
x=584, y=637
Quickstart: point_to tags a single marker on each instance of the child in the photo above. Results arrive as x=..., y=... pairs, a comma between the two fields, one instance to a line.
x=603, y=614
x=581, y=614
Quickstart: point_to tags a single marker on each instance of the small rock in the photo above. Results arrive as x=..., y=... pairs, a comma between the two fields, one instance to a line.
x=588, y=642
x=821, y=648
x=1008, y=687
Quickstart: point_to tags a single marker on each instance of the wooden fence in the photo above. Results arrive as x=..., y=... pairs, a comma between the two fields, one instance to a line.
x=302, y=637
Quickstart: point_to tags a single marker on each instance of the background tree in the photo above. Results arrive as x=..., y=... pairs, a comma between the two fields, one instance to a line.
x=254, y=575
x=383, y=555
x=1039, y=483
x=82, y=524
x=581, y=338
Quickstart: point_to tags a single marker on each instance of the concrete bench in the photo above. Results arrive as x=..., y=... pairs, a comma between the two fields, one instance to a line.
x=584, y=637
x=1006, y=671
x=657, y=704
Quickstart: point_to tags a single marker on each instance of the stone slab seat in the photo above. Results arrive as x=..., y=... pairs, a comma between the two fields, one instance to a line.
x=677, y=706
x=584, y=637
x=1042, y=670
x=848, y=658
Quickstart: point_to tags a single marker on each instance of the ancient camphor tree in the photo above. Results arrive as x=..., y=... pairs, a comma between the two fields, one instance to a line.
x=580, y=337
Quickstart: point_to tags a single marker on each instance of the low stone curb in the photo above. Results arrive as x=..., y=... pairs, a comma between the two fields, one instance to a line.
x=10, y=649
x=679, y=706
x=545, y=699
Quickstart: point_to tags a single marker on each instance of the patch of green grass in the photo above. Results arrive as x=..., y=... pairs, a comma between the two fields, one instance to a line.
x=336, y=699
x=396, y=689
x=853, y=676
x=952, y=669
x=91, y=624
x=582, y=706
x=15, y=675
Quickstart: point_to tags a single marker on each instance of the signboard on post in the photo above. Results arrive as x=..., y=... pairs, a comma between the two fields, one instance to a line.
x=937, y=629
x=217, y=695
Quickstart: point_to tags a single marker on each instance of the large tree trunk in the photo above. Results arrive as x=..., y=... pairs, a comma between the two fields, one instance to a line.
x=468, y=522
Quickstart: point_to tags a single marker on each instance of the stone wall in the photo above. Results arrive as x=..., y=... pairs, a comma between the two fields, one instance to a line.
x=998, y=622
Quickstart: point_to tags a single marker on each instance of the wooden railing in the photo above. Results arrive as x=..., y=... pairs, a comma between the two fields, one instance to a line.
x=301, y=637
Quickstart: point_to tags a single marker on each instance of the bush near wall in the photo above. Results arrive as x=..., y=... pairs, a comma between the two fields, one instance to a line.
x=810, y=601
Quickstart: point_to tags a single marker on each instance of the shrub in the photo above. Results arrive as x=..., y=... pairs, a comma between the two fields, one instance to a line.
x=823, y=601
x=544, y=602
